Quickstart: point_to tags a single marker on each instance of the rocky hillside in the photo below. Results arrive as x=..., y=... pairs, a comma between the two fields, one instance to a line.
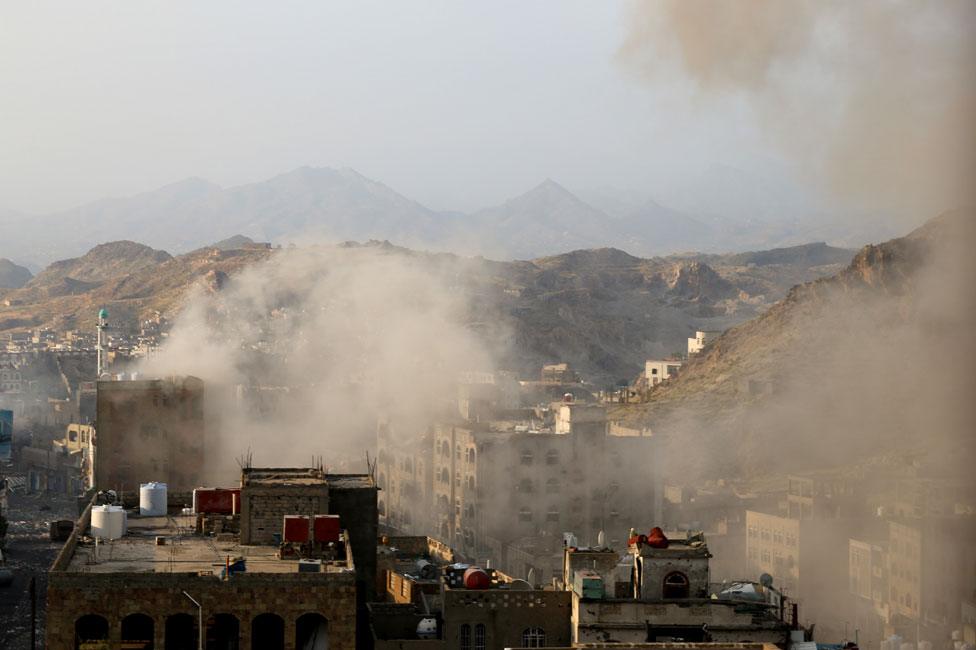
x=13, y=276
x=603, y=310
x=875, y=357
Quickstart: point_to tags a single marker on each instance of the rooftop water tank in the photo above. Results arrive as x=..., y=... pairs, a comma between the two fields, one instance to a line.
x=152, y=499
x=108, y=522
x=475, y=578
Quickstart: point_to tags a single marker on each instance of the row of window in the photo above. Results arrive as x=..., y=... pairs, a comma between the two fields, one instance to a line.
x=472, y=637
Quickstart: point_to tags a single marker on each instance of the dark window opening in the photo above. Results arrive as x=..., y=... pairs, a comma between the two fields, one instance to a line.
x=137, y=632
x=90, y=627
x=181, y=632
x=676, y=585
x=312, y=632
x=268, y=632
x=223, y=632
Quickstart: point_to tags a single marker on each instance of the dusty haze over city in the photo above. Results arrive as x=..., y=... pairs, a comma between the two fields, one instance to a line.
x=542, y=275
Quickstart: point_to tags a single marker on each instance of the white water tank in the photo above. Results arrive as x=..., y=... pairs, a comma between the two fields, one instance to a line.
x=152, y=499
x=108, y=522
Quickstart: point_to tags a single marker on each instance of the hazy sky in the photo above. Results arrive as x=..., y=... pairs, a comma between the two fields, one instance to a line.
x=456, y=104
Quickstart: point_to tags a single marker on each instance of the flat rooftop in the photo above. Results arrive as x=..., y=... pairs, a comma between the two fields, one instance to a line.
x=303, y=476
x=183, y=552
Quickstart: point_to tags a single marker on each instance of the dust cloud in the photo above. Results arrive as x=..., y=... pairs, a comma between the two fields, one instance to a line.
x=303, y=353
x=875, y=100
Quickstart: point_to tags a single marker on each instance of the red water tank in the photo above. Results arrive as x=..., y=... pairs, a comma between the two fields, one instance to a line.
x=295, y=528
x=326, y=528
x=475, y=578
x=657, y=538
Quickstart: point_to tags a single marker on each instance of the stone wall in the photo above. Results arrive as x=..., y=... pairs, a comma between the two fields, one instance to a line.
x=506, y=614
x=159, y=595
x=263, y=508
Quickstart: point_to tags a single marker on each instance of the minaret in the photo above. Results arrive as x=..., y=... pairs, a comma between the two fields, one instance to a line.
x=100, y=345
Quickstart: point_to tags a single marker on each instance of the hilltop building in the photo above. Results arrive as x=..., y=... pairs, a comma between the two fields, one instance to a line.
x=701, y=339
x=656, y=371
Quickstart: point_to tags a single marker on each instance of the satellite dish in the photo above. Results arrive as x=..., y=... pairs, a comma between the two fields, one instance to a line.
x=766, y=580
x=520, y=585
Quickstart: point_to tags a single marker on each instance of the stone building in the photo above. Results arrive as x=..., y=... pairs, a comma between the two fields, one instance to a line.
x=170, y=579
x=150, y=430
x=660, y=591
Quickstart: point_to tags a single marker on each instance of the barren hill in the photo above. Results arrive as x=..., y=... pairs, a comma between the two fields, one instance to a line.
x=866, y=360
x=603, y=310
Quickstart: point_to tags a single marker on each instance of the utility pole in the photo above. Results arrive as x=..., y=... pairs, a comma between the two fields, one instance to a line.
x=199, y=620
x=33, y=597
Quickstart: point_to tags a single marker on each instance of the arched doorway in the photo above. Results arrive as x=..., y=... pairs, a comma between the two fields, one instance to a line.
x=181, y=632
x=90, y=627
x=311, y=632
x=223, y=632
x=675, y=585
x=138, y=631
x=268, y=632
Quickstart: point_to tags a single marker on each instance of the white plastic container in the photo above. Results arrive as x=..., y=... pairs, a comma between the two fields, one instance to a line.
x=108, y=522
x=152, y=499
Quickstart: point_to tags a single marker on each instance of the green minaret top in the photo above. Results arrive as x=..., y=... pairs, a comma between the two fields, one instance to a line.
x=103, y=313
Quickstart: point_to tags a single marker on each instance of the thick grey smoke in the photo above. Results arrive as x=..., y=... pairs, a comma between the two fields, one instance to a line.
x=875, y=99
x=302, y=353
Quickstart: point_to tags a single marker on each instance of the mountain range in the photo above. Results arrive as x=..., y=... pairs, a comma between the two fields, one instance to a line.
x=334, y=205
x=603, y=310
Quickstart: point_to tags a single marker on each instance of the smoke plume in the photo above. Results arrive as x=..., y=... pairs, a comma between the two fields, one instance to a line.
x=876, y=100
x=302, y=354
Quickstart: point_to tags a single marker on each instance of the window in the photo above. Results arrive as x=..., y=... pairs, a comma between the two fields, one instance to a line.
x=73, y=436
x=533, y=637
x=525, y=514
x=676, y=585
x=465, y=637
x=526, y=457
x=552, y=457
x=553, y=514
x=525, y=485
x=404, y=588
x=479, y=636
x=472, y=455
x=552, y=486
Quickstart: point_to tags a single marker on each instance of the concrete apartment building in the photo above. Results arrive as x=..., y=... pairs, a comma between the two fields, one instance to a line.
x=504, y=482
x=505, y=492
x=168, y=581
x=656, y=371
x=150, y=430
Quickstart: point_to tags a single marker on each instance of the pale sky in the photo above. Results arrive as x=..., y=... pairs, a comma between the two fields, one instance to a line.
x=458, y=105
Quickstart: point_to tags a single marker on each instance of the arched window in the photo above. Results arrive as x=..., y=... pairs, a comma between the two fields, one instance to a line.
x=445, y=475
x=381, y=508
x=479, y=636
x=312, y=631
x=472, y=455
x=90, y=627
x=268, y=632
x=464, y=637
x=138, y=629
x=533, y=637
x=471, y=483
x=181, y=632
x=676, y=585
x=223, y=632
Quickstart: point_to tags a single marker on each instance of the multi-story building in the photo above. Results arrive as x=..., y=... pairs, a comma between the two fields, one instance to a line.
x=150, y=430
x=161, y=582
x=823, y=495
x=506, y=483
x=656, y=371
x=807, y=560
